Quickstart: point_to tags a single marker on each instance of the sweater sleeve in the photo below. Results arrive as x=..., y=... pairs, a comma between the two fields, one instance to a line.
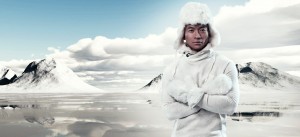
x=172, y=108
x=223, y=104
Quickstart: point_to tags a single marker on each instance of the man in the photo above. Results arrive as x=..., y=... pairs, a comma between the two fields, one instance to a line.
x=200, y=87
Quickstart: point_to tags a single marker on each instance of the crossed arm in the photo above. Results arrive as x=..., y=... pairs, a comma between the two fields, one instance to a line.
x=176, y=108
x=226, y=103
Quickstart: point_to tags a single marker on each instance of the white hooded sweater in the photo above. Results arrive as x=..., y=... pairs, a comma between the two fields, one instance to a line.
x=207, y=119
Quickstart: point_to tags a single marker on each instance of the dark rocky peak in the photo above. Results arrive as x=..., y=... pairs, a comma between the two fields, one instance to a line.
x=43, y=66
x=7, y=76
x=154, y=81
x=37, y=72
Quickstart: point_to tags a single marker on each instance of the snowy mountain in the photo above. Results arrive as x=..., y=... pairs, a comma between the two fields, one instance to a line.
x=153, y=86
x=251, y=74
x=48, y=75
x=262, y=75
x=7, y=76
x=37, y=73
x=154, y=81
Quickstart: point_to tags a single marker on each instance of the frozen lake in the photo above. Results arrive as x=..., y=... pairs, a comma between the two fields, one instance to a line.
x=132, y=115
x=84, y=115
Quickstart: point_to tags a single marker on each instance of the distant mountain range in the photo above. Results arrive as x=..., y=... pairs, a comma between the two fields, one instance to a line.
x=46, y=75
x=253, y=74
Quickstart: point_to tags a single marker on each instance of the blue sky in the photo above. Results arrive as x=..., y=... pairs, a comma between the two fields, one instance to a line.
x=28, y=27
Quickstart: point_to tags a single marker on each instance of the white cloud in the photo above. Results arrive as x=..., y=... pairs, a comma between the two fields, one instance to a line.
x=53, y=50
x=119, y=80
x=102, y=48
x=259, y=24
x=17, y=66
x=295, y=73
x=286, y=58
x=127, y=58
x=262, y=30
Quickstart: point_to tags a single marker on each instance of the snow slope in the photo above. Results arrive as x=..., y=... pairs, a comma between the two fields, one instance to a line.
x=153, y=86
x=262, y=75
x=48, y=75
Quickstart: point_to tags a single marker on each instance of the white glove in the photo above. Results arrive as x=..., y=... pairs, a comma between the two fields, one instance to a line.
x=219, y=86
x=179, y=90
x=194, y=96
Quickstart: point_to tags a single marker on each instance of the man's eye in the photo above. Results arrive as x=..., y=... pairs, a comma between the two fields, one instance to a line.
x=202, y=30
x=190, y=30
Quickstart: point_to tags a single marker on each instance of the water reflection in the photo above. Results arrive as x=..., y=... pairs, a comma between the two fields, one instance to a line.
x=33, y=113
x=84, y=115
x=100, y=115
x=253, y=116
x=88, y=129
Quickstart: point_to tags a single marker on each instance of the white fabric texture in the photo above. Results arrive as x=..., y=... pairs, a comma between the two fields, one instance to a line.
x=218, y=86
x=197, y=111
x=207, y=117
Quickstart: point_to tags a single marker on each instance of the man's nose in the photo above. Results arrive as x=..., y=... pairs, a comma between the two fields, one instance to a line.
x=197, y=35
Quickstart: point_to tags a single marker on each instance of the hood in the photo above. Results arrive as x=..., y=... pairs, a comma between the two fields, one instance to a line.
x=196, y=13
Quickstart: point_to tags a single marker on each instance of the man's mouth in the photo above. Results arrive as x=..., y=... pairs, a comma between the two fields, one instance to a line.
x=197, y=43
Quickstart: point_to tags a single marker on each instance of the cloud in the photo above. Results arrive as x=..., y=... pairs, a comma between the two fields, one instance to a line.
x=118, y=80
x=110, y=50
x=94, y=59
x=286, y=58
x=102, y=48
x=259, y=24
x=17, y=66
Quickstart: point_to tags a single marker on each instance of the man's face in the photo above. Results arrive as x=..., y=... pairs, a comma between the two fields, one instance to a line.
x=196, y=36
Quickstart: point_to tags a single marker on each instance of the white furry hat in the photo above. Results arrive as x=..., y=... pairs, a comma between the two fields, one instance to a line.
x=194, y=13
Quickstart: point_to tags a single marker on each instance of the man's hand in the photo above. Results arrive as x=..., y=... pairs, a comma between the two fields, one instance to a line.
x=194, y=96
x=178, y=90
x=218, y=86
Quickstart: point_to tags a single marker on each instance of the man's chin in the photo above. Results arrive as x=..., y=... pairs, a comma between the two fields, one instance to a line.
x=197, y=48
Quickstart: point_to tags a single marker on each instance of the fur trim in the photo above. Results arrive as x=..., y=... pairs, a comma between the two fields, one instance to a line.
x=222, y=84
x=194, y=13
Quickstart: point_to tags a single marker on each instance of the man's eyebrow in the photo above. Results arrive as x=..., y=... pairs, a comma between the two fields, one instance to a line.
x=193, y=27
x=190, y=27
x=203, y=26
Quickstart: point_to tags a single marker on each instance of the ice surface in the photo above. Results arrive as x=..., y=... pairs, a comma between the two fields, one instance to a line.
x=132, y=114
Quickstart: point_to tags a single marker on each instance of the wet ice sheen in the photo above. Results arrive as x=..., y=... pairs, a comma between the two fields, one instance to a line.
x=127, y=114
